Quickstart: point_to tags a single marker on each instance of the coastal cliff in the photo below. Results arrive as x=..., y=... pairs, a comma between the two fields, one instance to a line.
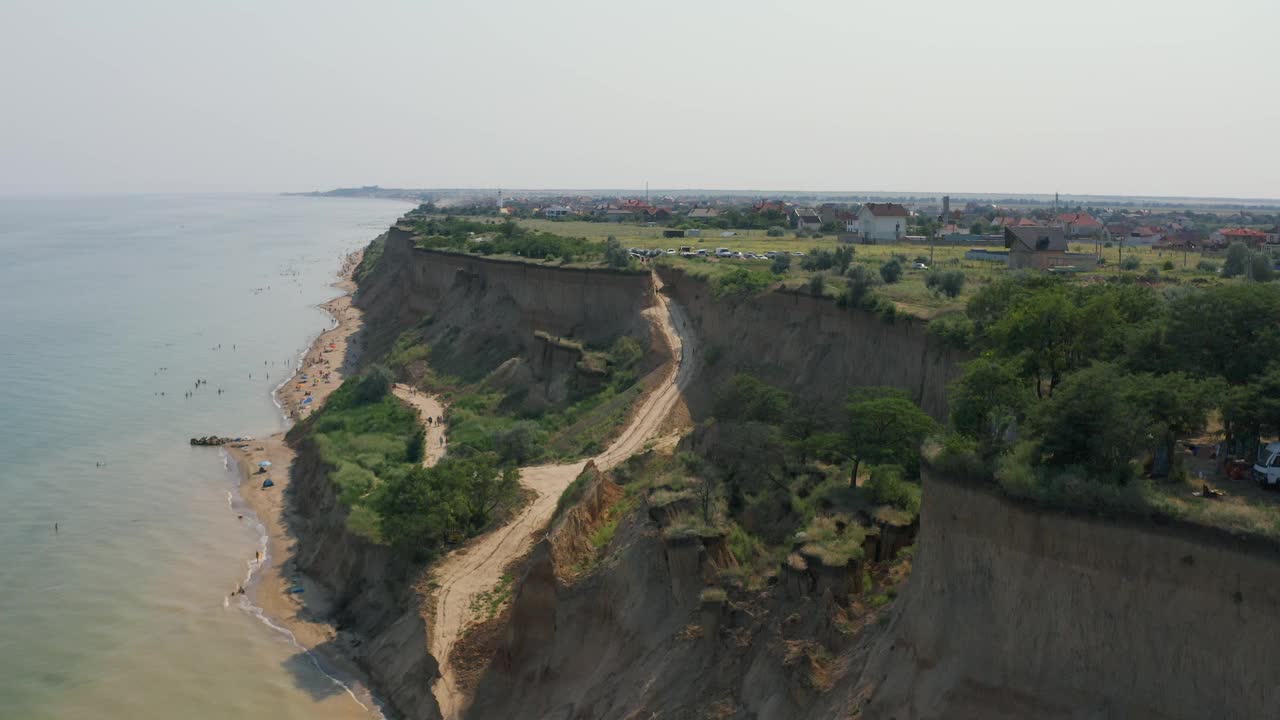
x=812, y=347
x=1015, y=612
x=501, y=303
x=372, y=601
x=1010, y=611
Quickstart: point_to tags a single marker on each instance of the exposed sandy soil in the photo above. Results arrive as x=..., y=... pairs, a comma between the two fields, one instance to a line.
x=429, y=408
x=478, y=567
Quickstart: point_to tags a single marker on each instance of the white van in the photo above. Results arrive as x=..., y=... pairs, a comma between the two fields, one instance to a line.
x=1267, y=470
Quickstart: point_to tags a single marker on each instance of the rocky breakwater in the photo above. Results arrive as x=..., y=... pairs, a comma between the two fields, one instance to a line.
x=1014, y=611
x=811, y=346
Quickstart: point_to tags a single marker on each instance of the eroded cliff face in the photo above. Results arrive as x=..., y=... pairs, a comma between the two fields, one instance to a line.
x=496, y=305
x=812, y=347
x=627, y=632
x=374, y=605
x=1013, y=612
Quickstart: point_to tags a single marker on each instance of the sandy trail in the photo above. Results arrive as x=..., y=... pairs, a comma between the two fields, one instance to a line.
x=478, y=567
x=428, y=406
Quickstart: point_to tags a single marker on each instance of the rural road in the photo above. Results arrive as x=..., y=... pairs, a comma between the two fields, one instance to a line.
x=478, y=567
x=428, y=406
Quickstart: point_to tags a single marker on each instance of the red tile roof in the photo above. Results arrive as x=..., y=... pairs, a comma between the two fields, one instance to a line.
x=1079, y=220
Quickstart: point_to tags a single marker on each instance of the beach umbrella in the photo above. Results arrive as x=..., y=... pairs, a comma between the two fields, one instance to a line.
x=265, y=463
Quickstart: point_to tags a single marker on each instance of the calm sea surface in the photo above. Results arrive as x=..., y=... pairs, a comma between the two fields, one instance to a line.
x=105, y=304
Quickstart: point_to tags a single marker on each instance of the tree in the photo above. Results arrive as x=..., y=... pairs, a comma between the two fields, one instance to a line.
x=1092, y=423
x=427, y=507
x=373, y=385
x=519, y=444
x=781, y=264
x=1231, y=330
x=1178, y=406
x=746, y=399
x=987, y=400
x=1260, y=268
x=1043, y=330
x=1237, y=262
x=891, y=271
x=616, y=256
x=884, y=426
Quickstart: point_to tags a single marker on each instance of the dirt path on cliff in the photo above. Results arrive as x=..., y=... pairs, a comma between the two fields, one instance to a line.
x=428, y=407
x=478, y=567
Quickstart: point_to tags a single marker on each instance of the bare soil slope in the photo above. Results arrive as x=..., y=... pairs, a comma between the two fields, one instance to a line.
x=478, y=567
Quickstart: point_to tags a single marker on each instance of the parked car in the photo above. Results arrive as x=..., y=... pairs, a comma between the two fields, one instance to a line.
x=1266, y=471
x=919, y=266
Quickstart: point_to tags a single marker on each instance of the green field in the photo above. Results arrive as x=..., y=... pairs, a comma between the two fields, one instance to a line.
x=909, y=294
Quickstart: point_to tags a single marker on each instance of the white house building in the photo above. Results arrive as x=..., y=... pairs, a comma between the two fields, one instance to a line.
x=882, y=221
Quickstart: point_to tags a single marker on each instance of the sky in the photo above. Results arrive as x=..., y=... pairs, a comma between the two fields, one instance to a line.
x=1142, y=97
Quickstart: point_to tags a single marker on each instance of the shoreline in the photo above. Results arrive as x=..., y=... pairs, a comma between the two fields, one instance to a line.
x=300, y=616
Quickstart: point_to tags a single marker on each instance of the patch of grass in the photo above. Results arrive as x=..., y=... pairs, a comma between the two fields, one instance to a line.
x=604, y=534
x=834, y=541
x=486, y=604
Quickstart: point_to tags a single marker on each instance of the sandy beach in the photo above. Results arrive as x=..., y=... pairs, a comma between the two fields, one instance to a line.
x=320, y=373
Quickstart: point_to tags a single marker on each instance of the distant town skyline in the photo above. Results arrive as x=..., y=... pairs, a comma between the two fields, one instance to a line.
x=1135, y=98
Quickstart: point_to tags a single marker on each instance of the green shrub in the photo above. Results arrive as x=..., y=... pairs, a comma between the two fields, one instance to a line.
x=891, y=271
x=817, y=284
x=776, y=231
x=1130, y=263
x=955, y=330
x=373, y=385
x=945, y=282
x=887, y=487
x=369, y=261
x=1168, y=265
x=1207, y=266
x=741, y=283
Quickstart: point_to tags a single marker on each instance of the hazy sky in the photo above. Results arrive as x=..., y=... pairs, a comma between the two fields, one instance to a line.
x=1164, y=97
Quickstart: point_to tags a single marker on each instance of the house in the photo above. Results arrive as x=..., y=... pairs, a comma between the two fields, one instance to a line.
x=1145, y=236
x=1248, y=236
x=704, y=213
x=1036, y=246
x=1080, y=224
x=657, y=214
x=806, y=219
x=556, y=211
x=1005, y=221
x=882, y=222
x=1273, y=235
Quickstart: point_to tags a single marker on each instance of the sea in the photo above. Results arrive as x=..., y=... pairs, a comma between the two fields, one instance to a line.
x=119, y=541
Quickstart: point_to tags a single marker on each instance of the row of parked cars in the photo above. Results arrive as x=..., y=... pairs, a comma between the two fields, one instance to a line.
x=722, y=253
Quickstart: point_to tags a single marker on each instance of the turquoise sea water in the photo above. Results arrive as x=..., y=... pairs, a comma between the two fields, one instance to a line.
x=120, y=613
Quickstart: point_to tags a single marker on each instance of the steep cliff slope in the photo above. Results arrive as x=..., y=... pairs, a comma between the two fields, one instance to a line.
x=1012, y=612
x=643, y=624
x=812, y=347
x=493, y=306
